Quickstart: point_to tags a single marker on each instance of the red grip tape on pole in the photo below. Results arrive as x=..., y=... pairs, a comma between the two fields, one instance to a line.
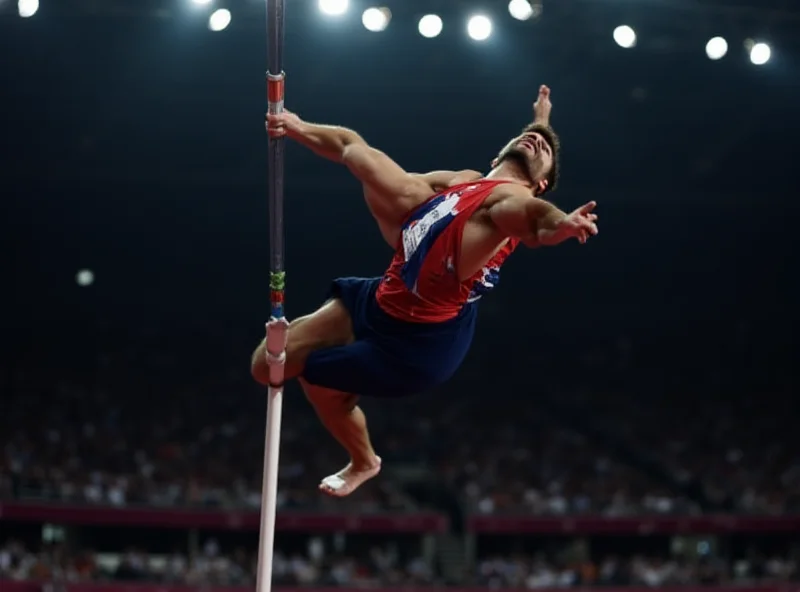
x=275, y=86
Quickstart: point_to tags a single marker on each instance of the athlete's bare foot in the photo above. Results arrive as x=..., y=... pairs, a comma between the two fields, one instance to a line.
x=349, y=479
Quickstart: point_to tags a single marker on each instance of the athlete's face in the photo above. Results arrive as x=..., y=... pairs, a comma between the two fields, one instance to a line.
x=533, y=153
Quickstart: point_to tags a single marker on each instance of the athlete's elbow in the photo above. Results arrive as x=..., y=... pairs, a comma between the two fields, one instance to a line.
x=363, y=162
x=351, y=154
x=350, y=138
x=349, y=144
x=356, y=155
x=332, y=143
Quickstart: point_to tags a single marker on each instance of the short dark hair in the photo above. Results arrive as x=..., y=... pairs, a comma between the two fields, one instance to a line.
x=551, y=138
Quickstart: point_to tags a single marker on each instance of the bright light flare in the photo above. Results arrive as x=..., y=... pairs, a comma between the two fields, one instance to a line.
x=760, y=54
x=27, y=8
x=625, y=36
x=376, y=19
x=219, y=20
x=333, y=7
x=520, y=9
x=430, y=26
x=716, y=48
x=479, y=28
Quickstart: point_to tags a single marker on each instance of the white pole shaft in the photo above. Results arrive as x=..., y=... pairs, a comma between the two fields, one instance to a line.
x=277, y=334
x=269, y=490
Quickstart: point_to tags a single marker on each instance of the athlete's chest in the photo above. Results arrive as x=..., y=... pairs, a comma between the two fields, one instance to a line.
x=421, y=235
x=480, y=246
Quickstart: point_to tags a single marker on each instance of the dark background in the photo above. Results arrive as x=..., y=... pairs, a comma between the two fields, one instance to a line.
x=132, y=144
x=650, y=372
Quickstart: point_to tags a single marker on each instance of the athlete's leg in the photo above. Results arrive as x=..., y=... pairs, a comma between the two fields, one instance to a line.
x=346, y=422
x=328, y=326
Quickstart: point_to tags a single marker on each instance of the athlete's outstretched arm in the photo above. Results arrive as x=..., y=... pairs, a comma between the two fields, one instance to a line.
x=369, y=165
x=515, y=212
x=327, y=141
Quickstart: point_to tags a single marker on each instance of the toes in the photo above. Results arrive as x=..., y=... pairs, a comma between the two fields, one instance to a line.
x=327, y=489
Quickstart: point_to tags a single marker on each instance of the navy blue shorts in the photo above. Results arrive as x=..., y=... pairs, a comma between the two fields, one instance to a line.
x=390, y=357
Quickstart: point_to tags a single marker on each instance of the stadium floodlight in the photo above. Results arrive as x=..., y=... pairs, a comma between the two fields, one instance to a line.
x=716, y=48
x=219, y=20
x=625, y=36
x=27, y=8
x=760, y=54
x=376, y=19
x=520, y=9
x=430, y=26
x=479, y=27
x=84, y=278
x=333, y=7
x=201, y=2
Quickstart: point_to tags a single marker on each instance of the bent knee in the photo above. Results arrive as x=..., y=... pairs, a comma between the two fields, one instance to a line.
x=259, y=369
x=328, y=326
x=259, y=365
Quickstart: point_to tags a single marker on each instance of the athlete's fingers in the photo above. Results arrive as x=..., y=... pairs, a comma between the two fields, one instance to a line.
x=586, y=226
x=590, y=227
x=542, y=106
x=587, y=208
x=277, y=118
x=275, y=126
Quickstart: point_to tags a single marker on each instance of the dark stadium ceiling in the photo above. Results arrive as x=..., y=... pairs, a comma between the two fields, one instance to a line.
x=667, y=23
x=773, y=10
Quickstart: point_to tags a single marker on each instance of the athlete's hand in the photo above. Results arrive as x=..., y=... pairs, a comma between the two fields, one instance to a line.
x=542, y=106
x=282, y=124
x=581, y=224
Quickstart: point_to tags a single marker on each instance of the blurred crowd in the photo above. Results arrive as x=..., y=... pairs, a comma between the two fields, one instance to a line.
x=711, y=418
x=384, y=565
x=176, y=420
x=534, y=466
x=379, y=565
x=160, y=425
x=651, y=571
